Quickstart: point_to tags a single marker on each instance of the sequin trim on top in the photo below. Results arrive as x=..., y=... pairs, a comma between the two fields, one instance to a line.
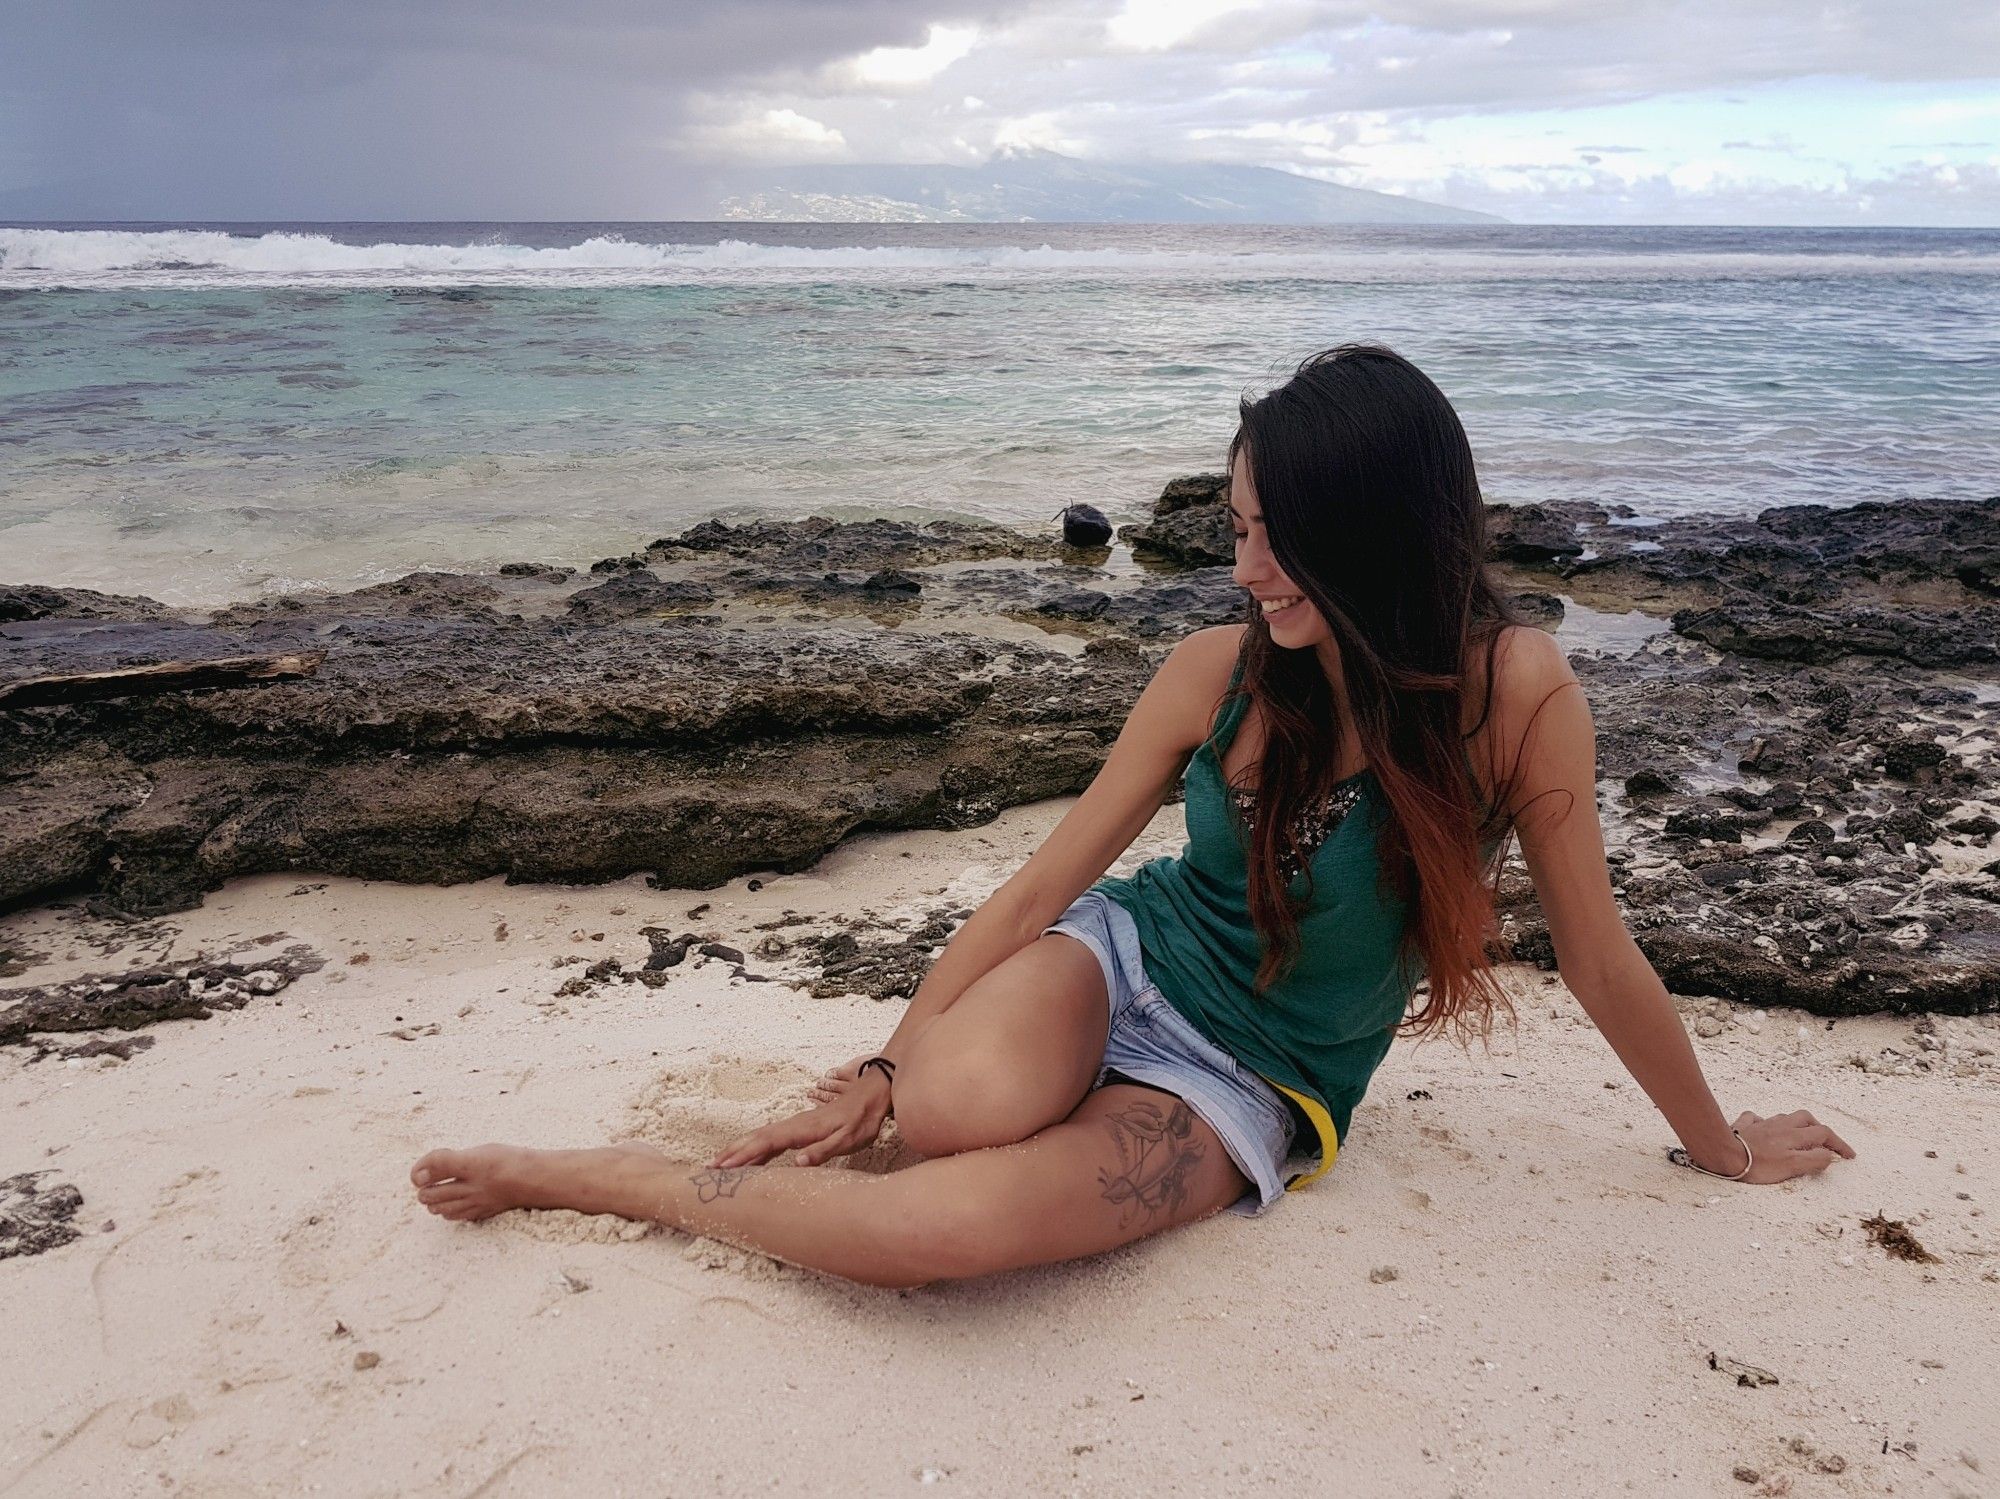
x=1312, y=826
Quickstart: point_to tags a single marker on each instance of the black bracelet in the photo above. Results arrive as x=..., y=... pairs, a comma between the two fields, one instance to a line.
x=888, y=1070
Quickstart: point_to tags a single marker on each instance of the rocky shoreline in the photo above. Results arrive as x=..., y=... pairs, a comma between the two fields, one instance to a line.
x=1797, y=714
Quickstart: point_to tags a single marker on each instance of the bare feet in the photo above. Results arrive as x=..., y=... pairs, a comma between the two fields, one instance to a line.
x=467, y=1185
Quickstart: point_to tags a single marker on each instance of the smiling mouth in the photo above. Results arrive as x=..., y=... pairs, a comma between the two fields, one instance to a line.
x=1274, y=607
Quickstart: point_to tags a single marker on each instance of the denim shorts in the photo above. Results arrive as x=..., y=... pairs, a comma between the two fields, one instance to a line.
x=1151, y=1042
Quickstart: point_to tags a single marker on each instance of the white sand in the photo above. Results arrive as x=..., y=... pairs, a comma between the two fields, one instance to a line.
x=1558, y=1287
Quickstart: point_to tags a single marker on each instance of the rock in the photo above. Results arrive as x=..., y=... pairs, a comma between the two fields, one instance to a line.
x=35, y=1218
x=1195, y=489
x=32, y=601
x=895, y=580
x=1195, y=536
x=446, y=752
x=638, y=593
x=190, y=990
x=1647, y=782
x=1532, y=533
x=1085, y=526
x=1747, y=1375
x=1912, y=759
x=550, y=727
x=1544, y=610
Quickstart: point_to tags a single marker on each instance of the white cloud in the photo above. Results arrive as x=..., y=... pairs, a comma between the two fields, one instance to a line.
x=1154, y=25
x=1953, y=111
x=776, y=134
x=892, y=67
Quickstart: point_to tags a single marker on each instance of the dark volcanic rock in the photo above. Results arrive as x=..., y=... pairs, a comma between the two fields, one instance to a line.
x=1085, y=526
x=1537, y=533
x=637, y=595
x=1197, y=536
x=1543, y=610
x=1190, y=525
x=1195, y=489
x=1820, y=889
x=144, y=996
x=1928, y=637
x=416, y=596
x=21, y=601
x=1803, y=782
x=1805, y=583
x=448, y=750
x=35, y=1218
x=819, y=542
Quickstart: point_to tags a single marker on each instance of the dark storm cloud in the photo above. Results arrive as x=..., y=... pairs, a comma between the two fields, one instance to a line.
x=630, y=108
x=225, y=108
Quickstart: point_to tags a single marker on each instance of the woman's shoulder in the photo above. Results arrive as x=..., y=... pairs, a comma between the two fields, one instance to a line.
x=1200, y=666
x=1213, y=653
x=1527, y=663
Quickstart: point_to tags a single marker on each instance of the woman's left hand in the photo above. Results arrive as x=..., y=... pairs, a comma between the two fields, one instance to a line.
x=835, y=1081
x=1784, y=1146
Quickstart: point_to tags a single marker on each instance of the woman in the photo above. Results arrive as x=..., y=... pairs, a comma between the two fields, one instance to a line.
x=1085, y=1066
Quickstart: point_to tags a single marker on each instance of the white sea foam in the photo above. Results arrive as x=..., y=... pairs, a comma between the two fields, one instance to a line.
x=192, y=258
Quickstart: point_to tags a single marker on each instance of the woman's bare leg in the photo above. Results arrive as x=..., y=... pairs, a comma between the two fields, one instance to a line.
x=1129, y=1162
x=1013, y=1055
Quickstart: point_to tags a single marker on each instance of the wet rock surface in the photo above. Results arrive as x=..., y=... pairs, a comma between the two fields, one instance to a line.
x=1796, y=725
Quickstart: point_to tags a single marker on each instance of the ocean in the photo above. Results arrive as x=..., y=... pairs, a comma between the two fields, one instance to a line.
x=205, y=413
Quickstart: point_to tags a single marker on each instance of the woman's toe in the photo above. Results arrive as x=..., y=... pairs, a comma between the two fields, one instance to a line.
x=437, y=1166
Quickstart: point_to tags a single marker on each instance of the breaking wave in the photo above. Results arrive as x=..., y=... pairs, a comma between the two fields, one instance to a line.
x=202, y=257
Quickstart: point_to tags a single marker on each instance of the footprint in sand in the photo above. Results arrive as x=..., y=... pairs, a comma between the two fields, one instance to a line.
x=158, y=1421
x=333, y=1242
x=1445, y=1138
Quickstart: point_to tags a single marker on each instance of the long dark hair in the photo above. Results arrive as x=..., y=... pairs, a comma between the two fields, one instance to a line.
x=1373, y=511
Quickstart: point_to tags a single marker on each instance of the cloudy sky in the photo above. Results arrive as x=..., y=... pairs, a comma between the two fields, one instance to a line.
x=1672, y=111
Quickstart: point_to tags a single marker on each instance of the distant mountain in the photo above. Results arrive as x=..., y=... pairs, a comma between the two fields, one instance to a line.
x=1045, y=187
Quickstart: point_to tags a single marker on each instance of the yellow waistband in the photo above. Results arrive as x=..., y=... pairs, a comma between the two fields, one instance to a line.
x=1322, y=1123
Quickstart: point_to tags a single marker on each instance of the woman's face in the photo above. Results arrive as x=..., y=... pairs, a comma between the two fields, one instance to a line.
x=1297, y=625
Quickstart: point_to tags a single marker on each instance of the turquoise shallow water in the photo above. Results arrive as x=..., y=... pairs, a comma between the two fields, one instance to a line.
x=206, y=415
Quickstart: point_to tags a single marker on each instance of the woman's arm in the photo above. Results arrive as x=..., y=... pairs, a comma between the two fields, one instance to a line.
x=1165, y=725
x=1562, y=842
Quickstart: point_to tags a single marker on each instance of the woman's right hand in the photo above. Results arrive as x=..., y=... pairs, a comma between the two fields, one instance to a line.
x=847, y=1123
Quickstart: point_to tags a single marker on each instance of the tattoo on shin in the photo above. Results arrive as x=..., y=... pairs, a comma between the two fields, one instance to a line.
x=709, y=1185
x=1157, y=1157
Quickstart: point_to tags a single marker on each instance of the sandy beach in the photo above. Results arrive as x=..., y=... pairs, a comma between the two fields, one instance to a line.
x=1502, y=1287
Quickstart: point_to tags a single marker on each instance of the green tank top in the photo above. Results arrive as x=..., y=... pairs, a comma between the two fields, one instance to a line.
x=1318, y=1034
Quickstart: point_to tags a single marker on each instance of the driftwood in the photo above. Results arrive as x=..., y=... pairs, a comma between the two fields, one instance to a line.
x=164, y=676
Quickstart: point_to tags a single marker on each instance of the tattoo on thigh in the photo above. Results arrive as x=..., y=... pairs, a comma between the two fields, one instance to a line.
x=709, y=1185
x=1157, y=1157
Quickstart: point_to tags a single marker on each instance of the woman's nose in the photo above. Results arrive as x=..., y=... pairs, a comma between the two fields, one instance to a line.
x=1253, y=564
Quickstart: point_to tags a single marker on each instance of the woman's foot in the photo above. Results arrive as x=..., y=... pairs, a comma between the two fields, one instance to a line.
x=467, y=1185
